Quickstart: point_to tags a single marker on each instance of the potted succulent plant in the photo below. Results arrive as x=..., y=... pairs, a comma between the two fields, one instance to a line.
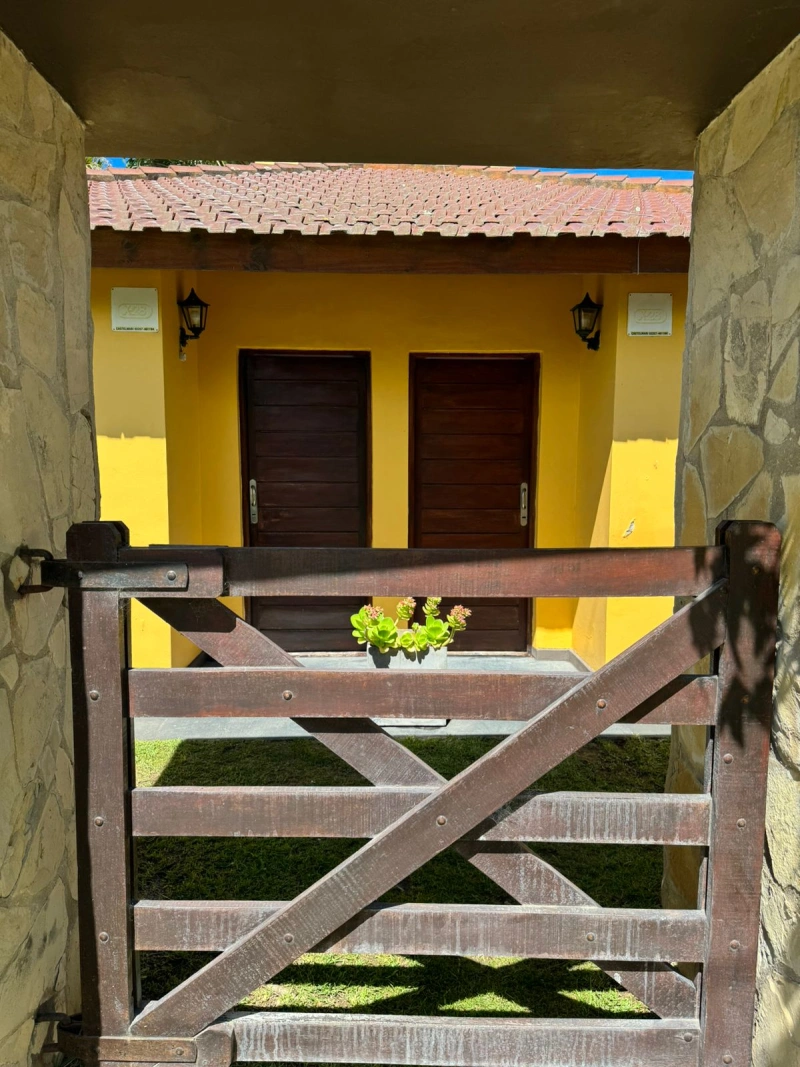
x=418, y=645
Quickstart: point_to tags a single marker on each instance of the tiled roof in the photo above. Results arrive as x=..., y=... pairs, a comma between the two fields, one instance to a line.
x=322, y=198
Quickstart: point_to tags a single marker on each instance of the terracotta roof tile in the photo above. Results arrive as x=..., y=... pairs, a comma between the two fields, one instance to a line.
x=321, y=198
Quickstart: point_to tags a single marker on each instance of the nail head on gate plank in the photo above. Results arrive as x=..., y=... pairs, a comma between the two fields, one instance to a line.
x=287, y=694
x=93, y=694
x=601, y=704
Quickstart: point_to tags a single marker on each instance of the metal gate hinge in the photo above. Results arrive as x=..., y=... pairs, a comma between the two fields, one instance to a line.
x=34, y=557
x=125, y=576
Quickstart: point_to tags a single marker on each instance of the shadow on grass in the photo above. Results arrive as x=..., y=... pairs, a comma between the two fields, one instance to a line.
x=422, y=985
x=279, y=869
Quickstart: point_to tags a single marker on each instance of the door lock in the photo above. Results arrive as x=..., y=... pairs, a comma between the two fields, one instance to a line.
x=253, y=502
x=523, y=504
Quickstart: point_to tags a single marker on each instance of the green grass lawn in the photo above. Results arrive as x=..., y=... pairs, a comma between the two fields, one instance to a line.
x=278, y=869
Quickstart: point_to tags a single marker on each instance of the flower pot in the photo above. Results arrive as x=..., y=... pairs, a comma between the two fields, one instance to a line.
x=398, y=659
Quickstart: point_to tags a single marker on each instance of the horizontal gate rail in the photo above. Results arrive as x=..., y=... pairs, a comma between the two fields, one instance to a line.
x=305, y=692
x=367, y=572
x=353, y=812
x=541, y=932
x=315, y=1038
x=472, y=572
x=488, y=814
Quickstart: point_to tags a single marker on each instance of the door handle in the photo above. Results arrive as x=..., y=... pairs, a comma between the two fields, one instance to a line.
x=523, y=504
x=253, y=502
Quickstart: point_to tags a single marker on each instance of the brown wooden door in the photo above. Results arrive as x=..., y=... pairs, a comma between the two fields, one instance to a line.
x=306, y=433
x=474, y=424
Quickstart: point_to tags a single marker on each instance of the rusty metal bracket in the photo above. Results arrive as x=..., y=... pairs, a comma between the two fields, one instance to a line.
x=206, y=565
x=213, y=1047
x=91, y=1049
x=128, y=577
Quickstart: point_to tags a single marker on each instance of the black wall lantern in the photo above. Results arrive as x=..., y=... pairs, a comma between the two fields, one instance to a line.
x=585, y=316
x=194, y=312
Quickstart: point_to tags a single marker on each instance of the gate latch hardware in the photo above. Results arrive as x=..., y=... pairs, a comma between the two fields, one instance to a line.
x=253, y=502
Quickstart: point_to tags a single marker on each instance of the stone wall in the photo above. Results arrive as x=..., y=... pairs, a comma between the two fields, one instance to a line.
x=47, y=481
x=739, y=457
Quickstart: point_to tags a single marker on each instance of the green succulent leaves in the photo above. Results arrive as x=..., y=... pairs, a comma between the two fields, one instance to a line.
x=371, y=626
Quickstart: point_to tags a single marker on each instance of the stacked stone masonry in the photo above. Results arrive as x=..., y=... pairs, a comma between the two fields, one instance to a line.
x=47, y=481
x=739, y=457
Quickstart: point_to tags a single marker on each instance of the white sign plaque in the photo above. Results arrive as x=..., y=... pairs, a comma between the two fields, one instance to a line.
x=134, y=310
x=649, y=314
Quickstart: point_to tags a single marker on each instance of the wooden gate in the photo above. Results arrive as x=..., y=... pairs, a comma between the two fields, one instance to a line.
x=411, y=813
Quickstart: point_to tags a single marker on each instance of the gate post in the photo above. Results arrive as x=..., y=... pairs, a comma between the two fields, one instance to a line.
x=739, y=784
x=98, y=624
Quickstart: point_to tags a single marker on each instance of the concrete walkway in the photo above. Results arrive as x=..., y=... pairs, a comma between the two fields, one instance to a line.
x=151, y=729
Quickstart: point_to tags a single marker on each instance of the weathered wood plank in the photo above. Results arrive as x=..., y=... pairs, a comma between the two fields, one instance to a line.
x=265, y=811
x=304, y=692
x=472, y=572
x=354, y=812
x=98, y=624
x=607, y=818
x=410, y=1040
x=541, y=932
x=739, y=789
x=441, y=819
x=220, y=632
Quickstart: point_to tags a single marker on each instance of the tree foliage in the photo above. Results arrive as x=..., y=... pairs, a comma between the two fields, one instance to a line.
x=176, y=162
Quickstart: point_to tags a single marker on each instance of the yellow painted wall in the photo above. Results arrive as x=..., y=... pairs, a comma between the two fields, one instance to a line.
x=646, y=419
x=587, y=429
x=132, y=440
x=595, y=437
x=630, y=407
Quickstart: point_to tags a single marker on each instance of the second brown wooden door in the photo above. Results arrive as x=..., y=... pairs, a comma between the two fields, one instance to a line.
x=474, y=424
x=305, y=430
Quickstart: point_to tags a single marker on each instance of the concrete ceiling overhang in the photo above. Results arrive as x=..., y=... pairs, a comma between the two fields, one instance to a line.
x=543, y=82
